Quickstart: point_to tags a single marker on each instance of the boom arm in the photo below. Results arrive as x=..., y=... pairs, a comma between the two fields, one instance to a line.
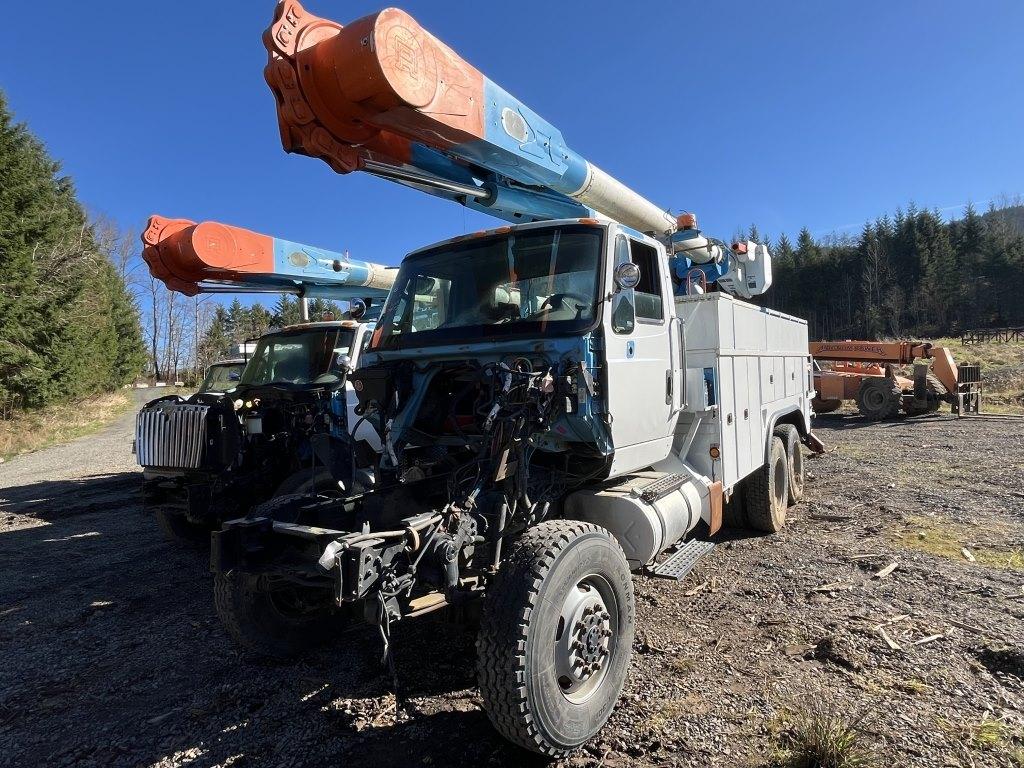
x=894, y=352
x=385, y=96
x=211, y=257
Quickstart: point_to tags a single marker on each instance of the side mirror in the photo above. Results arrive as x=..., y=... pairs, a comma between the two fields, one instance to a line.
x=627, y=275
x=344, y=363
x=356, y=308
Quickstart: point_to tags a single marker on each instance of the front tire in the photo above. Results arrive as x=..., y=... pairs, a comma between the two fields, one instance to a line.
x=556, y=636
x=177, y=528
x=306, y=481
x=273, y=618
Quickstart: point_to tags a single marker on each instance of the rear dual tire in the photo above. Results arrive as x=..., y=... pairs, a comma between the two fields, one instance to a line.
x=762, y=498
x=766, y=492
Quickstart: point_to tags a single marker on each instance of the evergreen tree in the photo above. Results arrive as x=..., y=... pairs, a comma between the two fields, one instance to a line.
x=67, y=325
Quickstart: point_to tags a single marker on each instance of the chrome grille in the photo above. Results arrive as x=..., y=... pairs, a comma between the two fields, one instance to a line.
x=172, y=435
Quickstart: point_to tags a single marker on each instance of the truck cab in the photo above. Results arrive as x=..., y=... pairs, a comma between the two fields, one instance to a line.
x=221, y=376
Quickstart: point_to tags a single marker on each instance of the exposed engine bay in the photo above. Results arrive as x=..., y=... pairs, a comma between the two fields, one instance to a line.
x=211, y=457
x=472, y=453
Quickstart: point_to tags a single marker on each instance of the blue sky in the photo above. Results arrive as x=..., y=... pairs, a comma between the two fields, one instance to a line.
x=822, y=114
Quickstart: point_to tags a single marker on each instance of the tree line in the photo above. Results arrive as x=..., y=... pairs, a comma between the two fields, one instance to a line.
x=909, y=274
x=69, y=326
x=237, y=324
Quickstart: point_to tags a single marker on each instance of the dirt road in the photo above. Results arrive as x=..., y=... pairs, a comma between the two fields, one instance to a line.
x=112, y=654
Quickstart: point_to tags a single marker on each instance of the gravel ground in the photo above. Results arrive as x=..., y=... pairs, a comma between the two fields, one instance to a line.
x=112, y=653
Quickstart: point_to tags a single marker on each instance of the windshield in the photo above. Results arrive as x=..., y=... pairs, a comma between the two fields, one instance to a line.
x=299, y=357
x=530, y=282
x=220, y=377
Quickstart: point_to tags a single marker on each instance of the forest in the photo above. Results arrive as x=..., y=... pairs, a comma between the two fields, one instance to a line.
x=908, y=274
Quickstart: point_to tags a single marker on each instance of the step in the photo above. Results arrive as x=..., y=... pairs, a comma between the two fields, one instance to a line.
x=662, y=487
x=681, y=562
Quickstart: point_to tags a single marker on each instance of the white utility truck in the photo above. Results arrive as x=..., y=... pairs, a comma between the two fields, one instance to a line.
x=559, y=402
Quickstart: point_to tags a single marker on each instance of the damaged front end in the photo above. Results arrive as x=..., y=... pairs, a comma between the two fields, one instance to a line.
x=472, y=453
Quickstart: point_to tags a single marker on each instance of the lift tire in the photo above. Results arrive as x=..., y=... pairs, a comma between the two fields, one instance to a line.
x=306, y=481
x=555, y=572
x=766, y=491
x=274, y=619
x=176, y=527
x=795, y=459
x=937, y=392
x=879, y=398
x=825, y=406
x=733, y=513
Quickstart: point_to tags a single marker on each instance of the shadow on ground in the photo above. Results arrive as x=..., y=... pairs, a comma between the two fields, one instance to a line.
x=114, y=656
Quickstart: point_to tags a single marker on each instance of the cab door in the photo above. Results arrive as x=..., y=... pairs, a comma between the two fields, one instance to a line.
x=642, y=362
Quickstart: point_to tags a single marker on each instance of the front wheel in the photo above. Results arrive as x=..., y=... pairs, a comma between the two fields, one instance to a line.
x=177, y=528
x=556, y=636
x=273, y=618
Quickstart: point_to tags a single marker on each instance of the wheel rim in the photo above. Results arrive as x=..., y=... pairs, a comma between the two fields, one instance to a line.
x=585, y=638
x=780, y=482
x=874, y=399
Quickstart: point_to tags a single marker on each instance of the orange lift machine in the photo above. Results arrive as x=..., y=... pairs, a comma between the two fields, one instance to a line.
x=866, y=371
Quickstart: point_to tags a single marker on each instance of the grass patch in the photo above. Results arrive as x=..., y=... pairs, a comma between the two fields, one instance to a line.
x=990, y=734
x=668, y=711
x=32, y=430
x=820, y=736
x=943, y=538
x=1002, y=372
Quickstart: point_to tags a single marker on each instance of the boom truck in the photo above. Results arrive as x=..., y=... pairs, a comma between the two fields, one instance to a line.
x=866, y=372
x=214, y=455
x=560, y=401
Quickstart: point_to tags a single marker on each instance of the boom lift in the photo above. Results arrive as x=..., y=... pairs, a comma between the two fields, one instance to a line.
x=559, y=402
x=214, y=455
x=865, y=371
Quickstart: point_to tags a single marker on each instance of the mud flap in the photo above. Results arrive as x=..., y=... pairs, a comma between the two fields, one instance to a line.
x=811, y=441
x=715, y=500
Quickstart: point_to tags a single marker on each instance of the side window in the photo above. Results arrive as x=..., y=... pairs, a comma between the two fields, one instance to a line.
x=426, y=311
x=623, y=316
x=649, y=303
